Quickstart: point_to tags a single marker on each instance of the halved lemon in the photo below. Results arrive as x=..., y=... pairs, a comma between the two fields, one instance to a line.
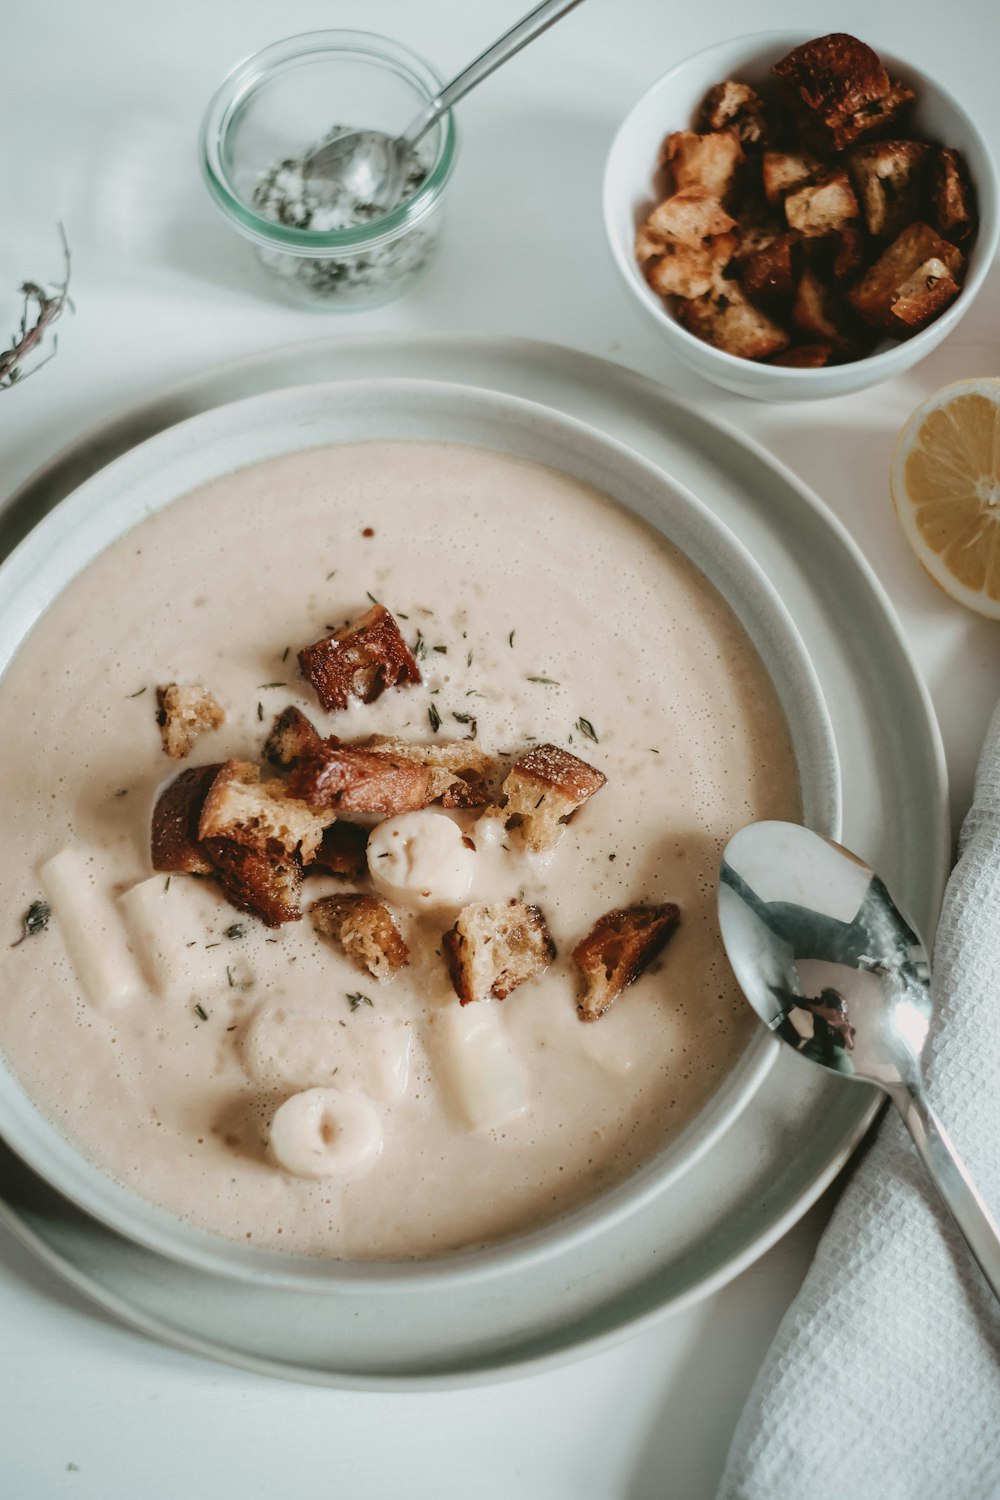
x=946, y=489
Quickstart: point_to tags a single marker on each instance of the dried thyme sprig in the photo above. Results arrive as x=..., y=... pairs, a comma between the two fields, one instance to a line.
x=48, y=308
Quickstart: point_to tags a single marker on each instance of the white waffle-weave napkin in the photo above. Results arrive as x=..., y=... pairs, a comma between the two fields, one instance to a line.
x=883, y=1381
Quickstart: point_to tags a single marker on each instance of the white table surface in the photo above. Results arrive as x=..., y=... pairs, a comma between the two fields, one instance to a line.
x=101, y=105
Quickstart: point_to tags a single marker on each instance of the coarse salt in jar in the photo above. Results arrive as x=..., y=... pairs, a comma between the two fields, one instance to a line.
x=320, y=245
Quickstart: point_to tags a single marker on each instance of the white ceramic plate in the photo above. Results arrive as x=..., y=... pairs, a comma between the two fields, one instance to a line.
x=791, y=1138
x=261, y=427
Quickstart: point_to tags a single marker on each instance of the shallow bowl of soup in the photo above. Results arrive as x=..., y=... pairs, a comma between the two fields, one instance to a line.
x=161, y=1047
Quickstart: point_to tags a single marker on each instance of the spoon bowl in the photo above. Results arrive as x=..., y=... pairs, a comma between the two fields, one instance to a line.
x=833, y=967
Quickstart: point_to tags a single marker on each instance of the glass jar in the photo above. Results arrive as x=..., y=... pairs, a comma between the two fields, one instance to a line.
x=274, y=110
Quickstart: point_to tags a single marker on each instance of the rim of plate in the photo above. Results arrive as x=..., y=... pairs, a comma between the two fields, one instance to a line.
x=170, y=464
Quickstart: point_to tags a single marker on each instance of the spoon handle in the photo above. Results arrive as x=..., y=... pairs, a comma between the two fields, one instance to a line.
x=525, y=31
x=961, y=1198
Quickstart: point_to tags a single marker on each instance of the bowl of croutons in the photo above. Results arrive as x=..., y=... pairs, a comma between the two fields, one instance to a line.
x=800, y=217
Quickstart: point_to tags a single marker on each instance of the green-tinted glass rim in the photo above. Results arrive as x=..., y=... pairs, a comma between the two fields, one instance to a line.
x=230, y=98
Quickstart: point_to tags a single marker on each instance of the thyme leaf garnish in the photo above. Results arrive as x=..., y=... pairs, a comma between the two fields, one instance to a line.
x=435, y=717
x=356, y=1000
x=236, y=931
x=136, y=695
x=510, y=638
x=35, y=920
x=548, y=681
x=471, y=721
x=585, y=727
x=201, y=1012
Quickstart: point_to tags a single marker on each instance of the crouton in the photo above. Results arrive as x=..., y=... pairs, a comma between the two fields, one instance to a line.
x=703, y=161
x=952, y=196
x=848, y=247
x=924, y=295
x=493, y=948
x=292, y=736
x=240, y=807
x=876, y=294
x=649, y=245
x=359, y=661
x=783, y=171
x=364, y=928
x=343, y=851
x=768, y=273
x=799, y=357
x=174, y=844
x=819, y=312
x=184, y=710
x=460, y=773
x=727, y=319
x=890, y=178
x=617, y=949
x=690, y=271
x=821, y=206
x=839, y=89
x=689, y=217
x=735, y=106
x=258, y=881
x=351, y=779
x=542, y=790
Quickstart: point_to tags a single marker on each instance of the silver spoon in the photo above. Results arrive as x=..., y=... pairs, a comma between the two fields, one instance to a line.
x=831, y=965
x=371, y=167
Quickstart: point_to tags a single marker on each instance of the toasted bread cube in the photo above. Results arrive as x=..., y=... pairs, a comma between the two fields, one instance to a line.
x=364, y=928
x=292, y=736
x=705, y=161
x=848, y=252
x=783, y=171
x=241, y=807
x=730, y=321
x=351, y=779
x=256, y=880
x=359, y=661
x=174, y=845
x=768, y=273
x=460, y=773
x=822, y=206
x=343, y=851
x=649, y=245
x=952, y=196
x=890, y=178
x=735, y=106
x=878, y=290
x=543, y=789
x=619, y=946
x=840, y=89
x=819, y=312
x=690, y=217
x=184, y=710
x=800, y=357
x=493, y=948
x=690, y=271
x=924, y=295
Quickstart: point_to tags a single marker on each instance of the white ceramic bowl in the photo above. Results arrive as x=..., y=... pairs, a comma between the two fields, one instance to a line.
x=215, y=443
x=630, y=193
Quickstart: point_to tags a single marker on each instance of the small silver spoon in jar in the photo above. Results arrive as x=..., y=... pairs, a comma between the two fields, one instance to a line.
x=371, y=167
x=830, y=964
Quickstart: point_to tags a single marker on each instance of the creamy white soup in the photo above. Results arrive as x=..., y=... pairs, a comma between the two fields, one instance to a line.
x=163, y=1031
